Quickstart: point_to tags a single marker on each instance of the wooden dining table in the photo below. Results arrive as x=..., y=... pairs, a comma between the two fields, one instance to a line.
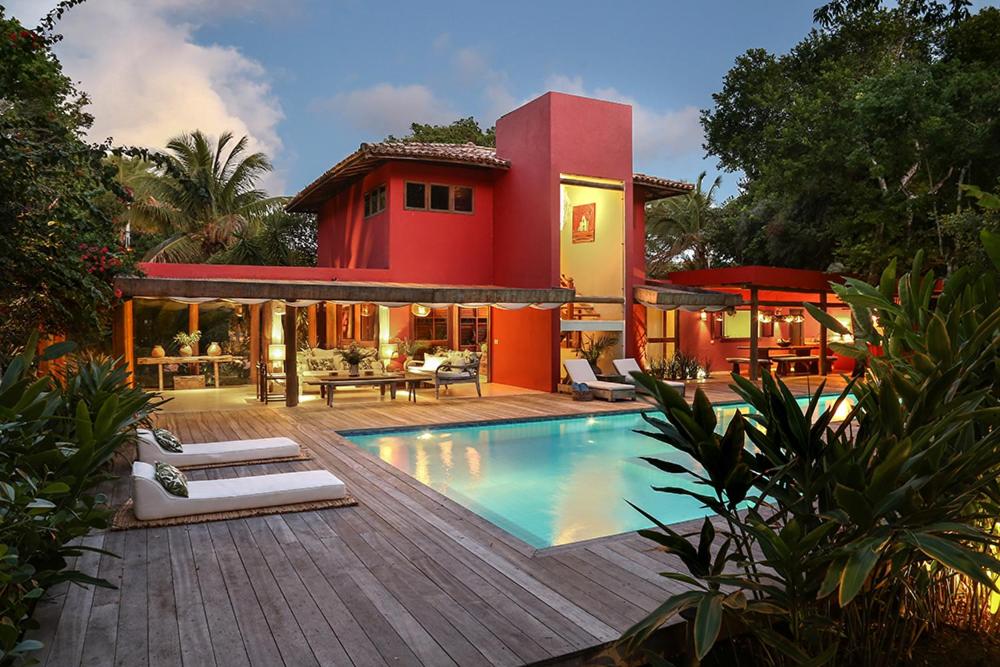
x=764, y=351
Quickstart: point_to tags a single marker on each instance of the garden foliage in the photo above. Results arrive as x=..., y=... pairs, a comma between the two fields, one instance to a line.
x=842, y=542
x=56, y=441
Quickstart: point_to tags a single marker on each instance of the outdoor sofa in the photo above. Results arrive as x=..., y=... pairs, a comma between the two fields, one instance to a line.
x=213, y=453
x=151, y=501
x=315, y=362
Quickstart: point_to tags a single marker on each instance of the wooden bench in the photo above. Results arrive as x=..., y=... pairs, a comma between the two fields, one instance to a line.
x=737, y=361
x=791, y=363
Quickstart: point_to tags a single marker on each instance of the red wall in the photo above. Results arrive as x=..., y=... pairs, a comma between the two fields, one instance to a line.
x=526, y=238
x=399, y=245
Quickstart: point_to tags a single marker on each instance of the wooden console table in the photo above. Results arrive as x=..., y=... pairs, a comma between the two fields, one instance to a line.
x=160, y=362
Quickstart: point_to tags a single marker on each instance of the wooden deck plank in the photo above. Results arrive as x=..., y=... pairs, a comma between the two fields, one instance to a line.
x=228, y=645
x=131, y=640
x=408, y=577
x=261, y=644
x=192, y=622
x=164, y=636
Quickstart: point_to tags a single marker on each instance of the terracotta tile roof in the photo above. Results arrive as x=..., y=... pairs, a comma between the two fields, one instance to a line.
x=660, y=188
x=368, y=156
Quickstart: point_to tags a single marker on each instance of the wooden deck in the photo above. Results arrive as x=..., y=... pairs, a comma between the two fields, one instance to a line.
x=406, y=577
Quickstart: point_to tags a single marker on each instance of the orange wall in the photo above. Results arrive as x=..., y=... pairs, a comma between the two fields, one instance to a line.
x=525, y=348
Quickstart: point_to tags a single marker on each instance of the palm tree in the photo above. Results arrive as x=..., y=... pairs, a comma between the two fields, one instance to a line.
x=676, y=228
x=213, y=190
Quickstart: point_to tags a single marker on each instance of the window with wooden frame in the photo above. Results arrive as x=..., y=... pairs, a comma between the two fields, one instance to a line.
x=438, y=197
x=662, y=333
x=473, y=328
x=432, y=328
x=357, y=322
x=375, y=201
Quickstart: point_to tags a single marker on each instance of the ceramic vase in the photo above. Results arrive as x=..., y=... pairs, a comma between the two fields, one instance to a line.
x=185, y=350
x=213, y=350
x=353, y=370
x=158, y=352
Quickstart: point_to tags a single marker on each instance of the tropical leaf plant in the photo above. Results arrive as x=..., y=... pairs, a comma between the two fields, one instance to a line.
x=842, y=541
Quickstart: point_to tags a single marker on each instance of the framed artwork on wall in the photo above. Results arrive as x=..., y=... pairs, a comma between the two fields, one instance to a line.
x=584, y=223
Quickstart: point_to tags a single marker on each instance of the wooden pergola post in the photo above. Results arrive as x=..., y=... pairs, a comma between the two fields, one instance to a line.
x=823, y=370
x=754, y=334
x=123, y=338
x=291, y=371
x=313, y=326
x=254, y=341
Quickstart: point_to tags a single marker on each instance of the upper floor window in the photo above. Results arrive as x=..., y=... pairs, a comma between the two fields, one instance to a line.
x=434, y=197
x=375, y=201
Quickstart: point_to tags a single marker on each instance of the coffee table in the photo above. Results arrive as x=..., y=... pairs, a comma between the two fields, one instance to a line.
x=330, y=384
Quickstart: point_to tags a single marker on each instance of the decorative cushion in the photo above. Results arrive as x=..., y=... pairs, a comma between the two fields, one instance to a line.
x=167, y=440
x=432, y=362
x=171, y=479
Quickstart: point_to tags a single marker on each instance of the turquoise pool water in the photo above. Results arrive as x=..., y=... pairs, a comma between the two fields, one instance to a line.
x=547, y=482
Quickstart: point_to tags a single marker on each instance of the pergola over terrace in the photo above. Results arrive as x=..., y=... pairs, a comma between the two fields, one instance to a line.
x=768, y=286
x=300, y=287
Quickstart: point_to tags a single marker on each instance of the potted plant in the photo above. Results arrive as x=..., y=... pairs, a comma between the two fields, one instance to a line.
x=185, y=341
x=353, y=356
x=594, y=347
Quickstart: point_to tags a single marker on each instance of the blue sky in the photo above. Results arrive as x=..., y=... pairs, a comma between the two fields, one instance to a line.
x=310, y=80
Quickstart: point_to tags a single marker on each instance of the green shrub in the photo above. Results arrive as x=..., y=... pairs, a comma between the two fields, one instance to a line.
x=56, y=440
x=840, y=543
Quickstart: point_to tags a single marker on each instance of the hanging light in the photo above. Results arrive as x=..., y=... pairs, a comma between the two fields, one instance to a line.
x=703, y=316
x=766, y=318
x=420, y=310
x=366, y=309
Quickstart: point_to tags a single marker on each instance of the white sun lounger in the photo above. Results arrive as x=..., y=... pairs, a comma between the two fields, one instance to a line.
x=208, y=453
x=580, y=372
x=627, y=366
x=151, y=501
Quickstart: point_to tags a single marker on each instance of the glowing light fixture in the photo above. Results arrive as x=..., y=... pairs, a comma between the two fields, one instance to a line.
x=388, y=350
x=420, y=310
x=703, y=315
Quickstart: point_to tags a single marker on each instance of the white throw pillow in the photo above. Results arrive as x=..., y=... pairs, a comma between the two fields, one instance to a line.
x=432, y=362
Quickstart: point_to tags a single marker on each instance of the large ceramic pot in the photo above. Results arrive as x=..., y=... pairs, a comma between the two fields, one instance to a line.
x=213, y=350
x=158, y=352
x=185, y=350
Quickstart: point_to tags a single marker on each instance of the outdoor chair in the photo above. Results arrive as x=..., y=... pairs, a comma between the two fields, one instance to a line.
x=628, y=366
x=213, y=453
x=580, y=372
x=151, y=501
x=453, y=372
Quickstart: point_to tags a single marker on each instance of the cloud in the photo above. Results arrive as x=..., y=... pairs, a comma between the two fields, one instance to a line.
x=388, y=109
x=655, y=134
x=149, y=80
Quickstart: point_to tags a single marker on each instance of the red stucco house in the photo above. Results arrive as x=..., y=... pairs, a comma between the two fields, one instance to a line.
x=521, y=252
x=469, y=215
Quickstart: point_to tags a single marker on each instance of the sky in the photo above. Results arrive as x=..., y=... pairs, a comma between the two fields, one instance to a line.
x=309, y=80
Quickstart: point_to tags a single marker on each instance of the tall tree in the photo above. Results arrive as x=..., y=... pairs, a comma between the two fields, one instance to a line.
x=463, y=130
x=857, y=142
x=677, y=229
x=213, y=188
x=60, y=249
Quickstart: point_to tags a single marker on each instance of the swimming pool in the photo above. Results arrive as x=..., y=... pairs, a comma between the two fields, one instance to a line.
x=547, y=482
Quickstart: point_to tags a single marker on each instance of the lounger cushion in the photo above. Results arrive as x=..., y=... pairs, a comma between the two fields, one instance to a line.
x=171, y=479
x=151, y=501
x=610, y=386
x=167, y=440
x=229, y=451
